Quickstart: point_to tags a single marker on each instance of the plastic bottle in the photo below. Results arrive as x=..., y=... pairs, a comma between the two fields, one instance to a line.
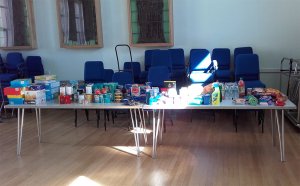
x=215, y=96
x=241, y=85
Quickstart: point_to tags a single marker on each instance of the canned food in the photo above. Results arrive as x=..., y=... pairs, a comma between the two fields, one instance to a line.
x=96, y=98
x=80, y=98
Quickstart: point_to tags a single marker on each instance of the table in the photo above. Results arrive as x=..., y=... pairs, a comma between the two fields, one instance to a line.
x=137, y=111
x=226, y=105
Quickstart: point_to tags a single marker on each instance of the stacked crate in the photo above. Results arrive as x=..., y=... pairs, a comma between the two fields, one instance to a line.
x=16, y=91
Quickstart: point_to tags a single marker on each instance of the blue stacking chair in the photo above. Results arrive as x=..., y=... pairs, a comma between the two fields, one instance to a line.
x=241, y=50
x=94, y=72
x=200, y=67
x=135, y=67
x=222, y=56
x=178, y=64
x=123, y=78
x=108, y=74
x=34, y=66
x=15, y=64
x=157, y=75
x=5, y=79
x=162, y=58
x=147, y=62
x=247, y=67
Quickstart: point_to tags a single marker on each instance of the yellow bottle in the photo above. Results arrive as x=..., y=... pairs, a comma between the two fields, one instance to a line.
x=215, y=96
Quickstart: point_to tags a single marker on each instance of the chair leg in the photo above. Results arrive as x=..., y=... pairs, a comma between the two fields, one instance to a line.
x=104, y=120
x=113, y=116
x=107, y=113
x=87, y=114
x=235, y=119
x=75, y=122
x=98, y=117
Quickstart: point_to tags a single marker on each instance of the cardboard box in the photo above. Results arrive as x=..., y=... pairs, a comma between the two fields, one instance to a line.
x=16, y=101
x=31, y=95
x=45, y=77
x=20, y=83
x=14, y=91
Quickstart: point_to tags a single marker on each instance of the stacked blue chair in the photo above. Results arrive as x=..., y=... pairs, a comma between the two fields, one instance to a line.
x=108, y=74
x=148, y=58
x=94, y=72
x=222, y=56
x=123, y=78
x=135, y=67
x=157, y=75
x=200, y=67
x=178, y=64
x=247, y=67
x=5, y=79
x=15, y=64
x=162, y=58
x=34, y=66
x=241, y=50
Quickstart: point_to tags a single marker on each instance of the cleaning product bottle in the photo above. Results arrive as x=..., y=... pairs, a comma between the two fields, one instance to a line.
x=215, y=96
x=241, y=85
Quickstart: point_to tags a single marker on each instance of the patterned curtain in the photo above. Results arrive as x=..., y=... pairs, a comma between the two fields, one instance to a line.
x=150, y=20
x=20, y=23
x=89, y=15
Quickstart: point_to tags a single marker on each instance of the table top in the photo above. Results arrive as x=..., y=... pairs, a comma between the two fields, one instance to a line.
x=225, y=104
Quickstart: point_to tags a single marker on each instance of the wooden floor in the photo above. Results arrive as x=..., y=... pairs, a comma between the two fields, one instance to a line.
x=199, y=153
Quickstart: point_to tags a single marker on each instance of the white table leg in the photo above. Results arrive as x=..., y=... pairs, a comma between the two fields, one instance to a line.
x=134, y=125
x=154, y=134
x=282, y=136
x=18, y=140
x=20, y=130
x=40, y=125
x=272, y=125
x=143, y=125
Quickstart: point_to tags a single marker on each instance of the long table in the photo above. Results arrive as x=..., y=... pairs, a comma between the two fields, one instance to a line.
x=137, y=113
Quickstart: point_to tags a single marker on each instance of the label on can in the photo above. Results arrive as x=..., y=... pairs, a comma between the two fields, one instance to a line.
x=69, y=90
x=80, y=98
x=96, y=98
x=62, y=91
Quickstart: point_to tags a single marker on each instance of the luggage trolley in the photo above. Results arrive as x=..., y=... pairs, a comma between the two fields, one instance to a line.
x=293, y=87
x=129, y=49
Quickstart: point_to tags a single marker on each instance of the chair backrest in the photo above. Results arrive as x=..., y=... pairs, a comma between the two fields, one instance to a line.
x=162, y=58
x=93, y=72
x=241, y=50
x=122, y=78
x=34, y=66
x=222, y=56
x=148, y=58
x=157, y=75
x=177, y=55
x=13, y=59
x=247, y=67
x=136, y=67
x=200, y=59
x=108, y=74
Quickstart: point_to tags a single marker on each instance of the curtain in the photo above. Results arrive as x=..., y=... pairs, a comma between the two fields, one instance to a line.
x=64, y=16
x=20, y=23
x=89, y=15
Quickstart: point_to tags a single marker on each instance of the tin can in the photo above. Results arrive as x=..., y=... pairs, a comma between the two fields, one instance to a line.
x=88, y=98
x=249, y=91
x=80, y=98
x=89, y=89
x=62, y=90
x=206, y=99
x=101, y=100
x=96, y=98
x=69, y=90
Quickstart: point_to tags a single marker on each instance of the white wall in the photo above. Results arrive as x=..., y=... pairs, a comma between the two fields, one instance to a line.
x=271, y=27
